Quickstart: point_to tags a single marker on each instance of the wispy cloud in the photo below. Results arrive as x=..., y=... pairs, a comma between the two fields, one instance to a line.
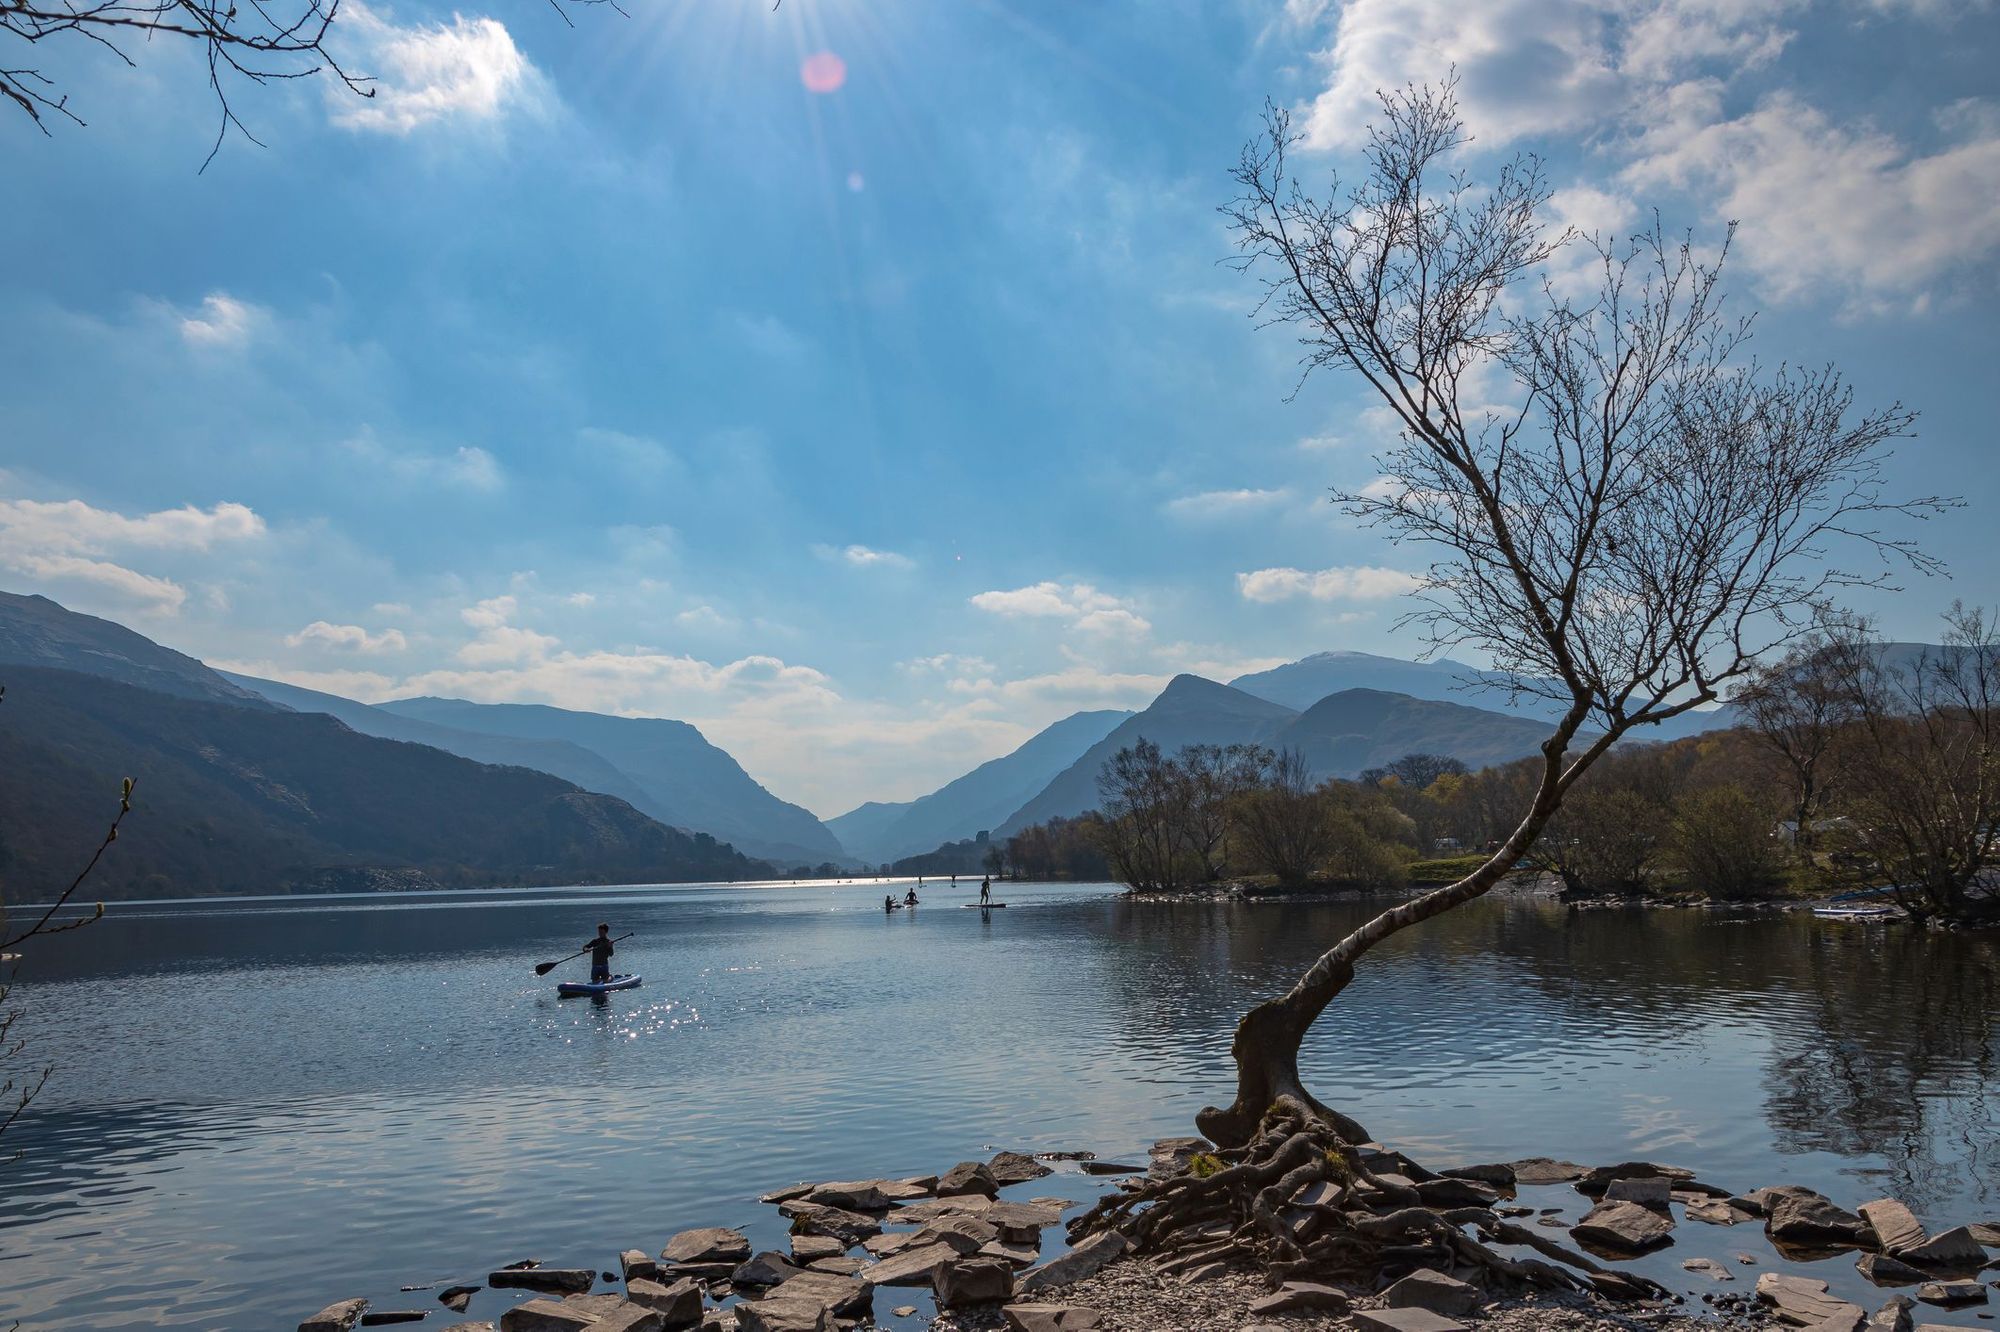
x=467, y=70
x=69, y=542
x=221, y=320
x=863, y=557
x=1224, y=504
x=1351, y=583
x=348, y=638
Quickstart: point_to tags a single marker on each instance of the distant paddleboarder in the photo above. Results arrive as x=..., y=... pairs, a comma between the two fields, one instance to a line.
x=985, y=891
x=600, y=950
x=910, y=898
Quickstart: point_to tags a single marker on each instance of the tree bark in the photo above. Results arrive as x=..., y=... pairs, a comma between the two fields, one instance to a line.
x=1268, y=1038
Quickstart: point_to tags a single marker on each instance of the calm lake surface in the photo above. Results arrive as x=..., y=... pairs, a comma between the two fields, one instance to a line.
x=259, y=1107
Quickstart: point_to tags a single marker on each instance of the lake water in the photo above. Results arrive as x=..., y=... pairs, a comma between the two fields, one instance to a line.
x=259, y=1107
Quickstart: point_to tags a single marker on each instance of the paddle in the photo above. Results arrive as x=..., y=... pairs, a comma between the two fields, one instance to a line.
x=544, y=968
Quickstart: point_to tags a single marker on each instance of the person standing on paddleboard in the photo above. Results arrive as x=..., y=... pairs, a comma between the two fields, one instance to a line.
x=985, y=891
x=600, y=954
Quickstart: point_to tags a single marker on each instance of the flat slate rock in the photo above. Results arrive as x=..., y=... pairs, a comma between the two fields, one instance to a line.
x=1807, y=1216
x=1543, y=1170
x=679, y=1303
x=1955, y=1250
x=712, y=1244
x=1896, y=1227
x=776, y=1315
x=911, y=1267
x=1405, y=1320
x=810, y=1218
x=1297, y=1296
x=1049, y=1317
x=1952, y=1294
x=1016, y=1168
x=1086, y=1259
x=932, y=1209
x=1708, y=1267
x=545, y=1316
x=1799, y=1301
x=1655, y=1193
x=1718, y=1212
x=967, y=1177
x=853, y=1195
x=1433, y=1290
x=550, y=1280
x=811, y=1248
x=1624, y=1226
x=339, y=1317
x=843, y=1295
x=1884, y=1270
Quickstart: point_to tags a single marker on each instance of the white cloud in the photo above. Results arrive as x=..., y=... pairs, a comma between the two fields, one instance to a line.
x=863, y=557
x=390, y=608
x=704, y=619
x=1211, y=504
x=466, y=467
x=68, y=542
x=1821, y=203
x=1351, y=583
x=580, y=599
x=221, y=321
x=468, y=70
x=1646, y=83
x=348, y=638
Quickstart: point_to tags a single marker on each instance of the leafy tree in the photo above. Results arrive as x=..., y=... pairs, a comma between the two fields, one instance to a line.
x=1722, y=838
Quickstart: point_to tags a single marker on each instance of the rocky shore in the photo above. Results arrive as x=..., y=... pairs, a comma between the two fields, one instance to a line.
x=961, y=1252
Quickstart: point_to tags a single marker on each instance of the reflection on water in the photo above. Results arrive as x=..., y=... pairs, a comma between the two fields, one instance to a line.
x=262, y=1106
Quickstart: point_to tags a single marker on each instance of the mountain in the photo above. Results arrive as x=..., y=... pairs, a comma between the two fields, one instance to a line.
x=558, y=758
x=686, y=781
x=1301, y=684
x=977, y=802
x=1189, y=711
x=1345, y=733
x=35, y=631
x=237, y=799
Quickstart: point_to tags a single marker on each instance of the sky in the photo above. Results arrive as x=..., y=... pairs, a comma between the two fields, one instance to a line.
x=860, y=380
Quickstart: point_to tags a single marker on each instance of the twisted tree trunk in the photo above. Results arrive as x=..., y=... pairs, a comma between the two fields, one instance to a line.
x=1268, y=1038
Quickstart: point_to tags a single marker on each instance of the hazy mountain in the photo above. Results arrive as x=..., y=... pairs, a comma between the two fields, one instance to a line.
x=693, y=783
x=236, y=799
x=559, y=758
x=1189, y=711
x=1301, y=684
x=1356, y=729
x=35, y=631
x=977, y=802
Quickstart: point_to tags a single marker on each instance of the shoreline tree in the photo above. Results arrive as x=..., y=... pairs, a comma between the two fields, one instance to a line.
x=1625, y=511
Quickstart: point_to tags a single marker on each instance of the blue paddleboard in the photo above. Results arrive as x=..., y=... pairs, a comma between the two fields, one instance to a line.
x=571, y=989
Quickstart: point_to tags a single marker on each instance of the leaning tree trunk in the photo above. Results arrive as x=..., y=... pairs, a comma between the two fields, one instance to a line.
x=1268, y=1038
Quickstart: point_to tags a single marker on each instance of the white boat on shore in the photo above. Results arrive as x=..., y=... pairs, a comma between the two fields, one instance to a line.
x=1856, y=913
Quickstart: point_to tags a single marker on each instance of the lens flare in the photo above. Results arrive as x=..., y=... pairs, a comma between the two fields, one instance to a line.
x=823, y=72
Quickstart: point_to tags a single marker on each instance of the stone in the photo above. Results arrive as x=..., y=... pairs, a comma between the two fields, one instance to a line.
x=544, y=1316
x=679, y=1303
x=967, y=1177
x=1455, y=1192
x=911, y=1267
x=1761, y=1201
x=1951, y=1294
x=1954, y=1250
x=1108, y=1168
x=1708, y=1267
x=1655, y=1193
x=1718, y=1213
x=1542, y=1170
x=388, y=1317
x=1086, y=1259
x=1206, y=1272
x=1986, y=1232
x=1883, y=1270
x=1018, y=1223
x=597, y=1306
x=1799, y=1301
x=1020, y=1255
x=845, y=1296
x=1595, y=1182
x=1893, y=1316
x=881, y=1246
x=931, y=1209
x=340, y=1317
x=1295, y=1296
x=1049, y=1317
x=1169, y=1156
x=1433, y=1290
x=455, y=1298
x=1807, y=1217
x=811, y=1248
x=1849, y=1319
x=962, y=1234
x=1896, y=1227
x=784, y=1316
x=1624, y=1226
x=1404, y=1320
x=791, y=1194
x=630, y=1318
x=907, y=1190
x=635, y=1263
x=1499, y=1176
x=1016, y=1168
x=843, y=1265
x=810, y=1218
x=1320, y=1193
x=712, y=1244
x=860, y=1195
x=549, y=1280
x=904, y=1310
x=963, y=1282
x=471, y=1327
x=766, y=1269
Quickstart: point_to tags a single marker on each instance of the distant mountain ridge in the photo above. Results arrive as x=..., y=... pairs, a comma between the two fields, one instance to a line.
x=35, y=631
x=977, y=802
x=247, y=800
x=686, y=781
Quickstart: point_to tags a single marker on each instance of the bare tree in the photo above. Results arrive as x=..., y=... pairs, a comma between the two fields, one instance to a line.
x=1799, y=707
x=1925, y=783
x=1209, y=779
x=260, y=42
x=1602, y=840
x=1284, y=826
x=1624, y=527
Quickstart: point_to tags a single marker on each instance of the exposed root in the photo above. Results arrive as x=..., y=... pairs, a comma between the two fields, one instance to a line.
x=1298, y=1200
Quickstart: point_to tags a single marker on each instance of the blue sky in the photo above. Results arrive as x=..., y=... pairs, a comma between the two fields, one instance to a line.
x=873, y=424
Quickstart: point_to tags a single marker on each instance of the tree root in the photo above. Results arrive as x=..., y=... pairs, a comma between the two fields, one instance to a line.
x=1364, y=1229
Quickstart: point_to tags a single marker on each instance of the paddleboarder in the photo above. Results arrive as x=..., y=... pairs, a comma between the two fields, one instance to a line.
x=600, y=950
x=985, y=890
